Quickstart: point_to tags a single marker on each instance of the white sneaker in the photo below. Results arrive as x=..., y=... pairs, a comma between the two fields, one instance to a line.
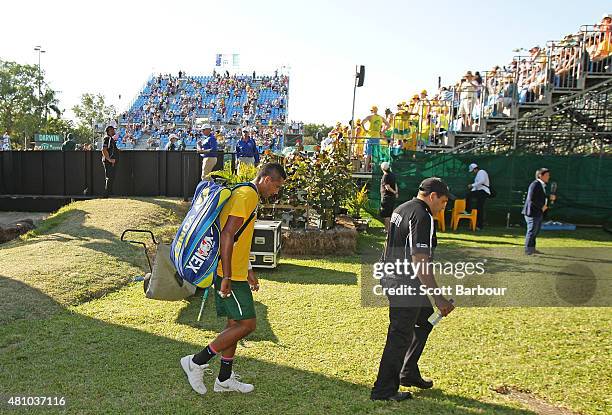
x=233, y=384
x=195, y=373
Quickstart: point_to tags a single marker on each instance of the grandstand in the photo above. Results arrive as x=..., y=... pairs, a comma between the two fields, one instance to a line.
x=168, y=104
x=554, y=100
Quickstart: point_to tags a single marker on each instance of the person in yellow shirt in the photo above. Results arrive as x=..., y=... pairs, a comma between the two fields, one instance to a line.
x=358, y=139
x=234, y=282
x=412, y=119
x=374, y=133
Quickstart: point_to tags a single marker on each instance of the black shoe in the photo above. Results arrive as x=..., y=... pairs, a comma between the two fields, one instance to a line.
x=419, y=383
x=399, y=396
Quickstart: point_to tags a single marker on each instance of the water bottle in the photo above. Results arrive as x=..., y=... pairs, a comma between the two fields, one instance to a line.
x=437, y=315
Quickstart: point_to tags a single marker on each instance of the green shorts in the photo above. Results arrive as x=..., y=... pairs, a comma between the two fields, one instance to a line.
x=239, y=305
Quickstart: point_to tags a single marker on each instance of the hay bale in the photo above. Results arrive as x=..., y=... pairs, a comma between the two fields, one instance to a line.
x=340, y=240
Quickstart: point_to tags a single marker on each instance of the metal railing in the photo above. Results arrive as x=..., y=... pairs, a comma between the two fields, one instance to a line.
x=565, y=64
x=597, y=46
x=532, y=77
x=499, y=94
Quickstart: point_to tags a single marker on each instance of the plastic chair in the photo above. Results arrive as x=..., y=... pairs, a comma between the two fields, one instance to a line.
x=441, y=220
x=457, y=215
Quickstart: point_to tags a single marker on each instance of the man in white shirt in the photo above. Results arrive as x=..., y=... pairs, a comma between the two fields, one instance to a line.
x=5, y=143
x=326, y=143
x=479, y=190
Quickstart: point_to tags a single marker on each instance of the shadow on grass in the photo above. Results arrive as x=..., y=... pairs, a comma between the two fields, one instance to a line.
x=210, y=321
x=302, y=274
x=100, y=367
x=480, y=241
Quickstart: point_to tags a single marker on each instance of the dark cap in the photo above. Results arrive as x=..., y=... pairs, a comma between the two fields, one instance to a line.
x=435, y=184
x=109, y=126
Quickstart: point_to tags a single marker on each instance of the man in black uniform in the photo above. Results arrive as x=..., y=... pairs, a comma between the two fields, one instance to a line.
x=412, y=236
x=109, y=152
x=388, y=193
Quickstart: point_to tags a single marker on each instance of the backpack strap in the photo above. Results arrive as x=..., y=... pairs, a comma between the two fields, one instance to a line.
x=251, y=216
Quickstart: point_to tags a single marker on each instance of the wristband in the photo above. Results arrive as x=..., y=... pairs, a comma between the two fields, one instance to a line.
x=227, y=278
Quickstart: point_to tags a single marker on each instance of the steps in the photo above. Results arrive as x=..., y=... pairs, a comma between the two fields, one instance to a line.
x=581, y=115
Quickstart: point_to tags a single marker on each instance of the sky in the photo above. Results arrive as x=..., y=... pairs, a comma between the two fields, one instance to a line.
x=112, y=47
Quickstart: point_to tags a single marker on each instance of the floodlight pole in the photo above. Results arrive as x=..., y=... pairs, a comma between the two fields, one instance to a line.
x=40, y=51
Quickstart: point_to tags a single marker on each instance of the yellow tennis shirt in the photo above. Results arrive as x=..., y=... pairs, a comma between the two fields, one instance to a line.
x=241, y=203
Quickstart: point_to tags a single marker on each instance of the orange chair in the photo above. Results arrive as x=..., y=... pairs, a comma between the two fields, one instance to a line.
x=457, y=215
x=441, y=221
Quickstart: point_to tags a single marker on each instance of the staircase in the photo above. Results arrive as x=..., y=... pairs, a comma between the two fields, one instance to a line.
x=578, y=120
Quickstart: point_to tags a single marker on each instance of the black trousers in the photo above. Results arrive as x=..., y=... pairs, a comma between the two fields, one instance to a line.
x=481, y=197
x=109, y=174
x=406, y=338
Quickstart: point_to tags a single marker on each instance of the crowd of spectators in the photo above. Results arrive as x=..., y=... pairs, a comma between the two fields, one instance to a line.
x=426, y=119
x=221, y=98
x=460, y=107
x=174, y=105
x=227, y=136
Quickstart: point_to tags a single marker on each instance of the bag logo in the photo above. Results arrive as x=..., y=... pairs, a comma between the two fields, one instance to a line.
x=201, y=254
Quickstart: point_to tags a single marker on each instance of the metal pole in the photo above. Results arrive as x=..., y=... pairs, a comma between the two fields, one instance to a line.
x=40, y=52
x=353, y=112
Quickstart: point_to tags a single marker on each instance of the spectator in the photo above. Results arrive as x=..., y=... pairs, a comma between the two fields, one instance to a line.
x=479, y=190
x=172, y=145
x=207, y=148
x=374, y=132
x=69, y=144
x=467, y=99
x=246, y=150
x=326, y=143
x=5, y=144
x=181, y=145
x=388, y=193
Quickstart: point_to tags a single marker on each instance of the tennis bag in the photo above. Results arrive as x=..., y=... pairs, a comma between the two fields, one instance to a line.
x=195, y=250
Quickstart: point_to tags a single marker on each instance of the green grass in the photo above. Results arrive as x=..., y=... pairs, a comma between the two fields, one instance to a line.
x=73, y=325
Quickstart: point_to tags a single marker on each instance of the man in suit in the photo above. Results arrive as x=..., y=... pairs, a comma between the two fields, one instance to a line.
x=534, y=208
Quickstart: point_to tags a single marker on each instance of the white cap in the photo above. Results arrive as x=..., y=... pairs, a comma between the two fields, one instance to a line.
x=205, y=126
x=173, y=136
x=472, y=167
x=385, y=165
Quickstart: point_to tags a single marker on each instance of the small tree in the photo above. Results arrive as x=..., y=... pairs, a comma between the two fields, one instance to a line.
x=24, y=99
x=316, y=132
x=91, y=111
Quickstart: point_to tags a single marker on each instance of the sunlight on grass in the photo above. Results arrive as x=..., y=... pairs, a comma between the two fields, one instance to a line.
x=102, y=344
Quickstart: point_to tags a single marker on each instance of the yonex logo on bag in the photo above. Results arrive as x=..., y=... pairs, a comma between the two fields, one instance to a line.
x=201, y=254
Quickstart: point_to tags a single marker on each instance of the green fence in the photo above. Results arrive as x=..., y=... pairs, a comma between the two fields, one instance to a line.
x=584, y=193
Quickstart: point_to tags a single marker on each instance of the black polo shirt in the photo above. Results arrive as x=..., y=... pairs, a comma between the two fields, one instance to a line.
x=411, y=231
x=387, y=178
x=111, y=146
